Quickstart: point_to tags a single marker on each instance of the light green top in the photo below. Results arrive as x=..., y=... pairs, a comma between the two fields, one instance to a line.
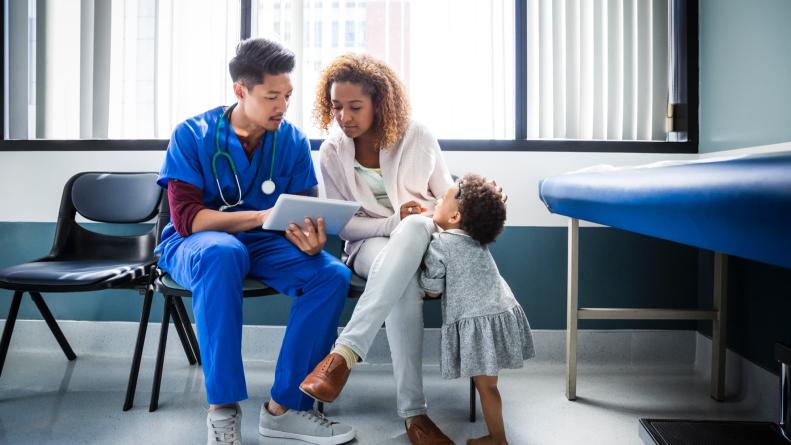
x=373, y=177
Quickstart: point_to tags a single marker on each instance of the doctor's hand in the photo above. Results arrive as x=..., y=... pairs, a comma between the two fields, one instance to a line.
x=310, y=239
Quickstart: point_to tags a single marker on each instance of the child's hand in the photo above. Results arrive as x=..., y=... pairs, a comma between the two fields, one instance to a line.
x=433, y=295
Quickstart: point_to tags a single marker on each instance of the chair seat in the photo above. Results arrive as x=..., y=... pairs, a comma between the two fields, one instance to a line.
x=250, y=286
x=75, y=273
x=357, y=286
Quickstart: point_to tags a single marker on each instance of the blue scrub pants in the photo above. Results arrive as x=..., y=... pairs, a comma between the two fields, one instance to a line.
x=213, y=265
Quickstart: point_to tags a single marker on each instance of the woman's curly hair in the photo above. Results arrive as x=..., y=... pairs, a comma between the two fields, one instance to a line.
x=380, y=82
x=482, y=208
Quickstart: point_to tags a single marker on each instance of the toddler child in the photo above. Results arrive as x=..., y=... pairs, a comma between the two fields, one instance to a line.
x=484, y=328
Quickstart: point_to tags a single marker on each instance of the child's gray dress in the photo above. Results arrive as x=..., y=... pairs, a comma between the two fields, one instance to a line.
x=484, y=328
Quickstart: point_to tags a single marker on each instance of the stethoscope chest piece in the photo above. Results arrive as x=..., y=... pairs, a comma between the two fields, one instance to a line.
x=268, y=187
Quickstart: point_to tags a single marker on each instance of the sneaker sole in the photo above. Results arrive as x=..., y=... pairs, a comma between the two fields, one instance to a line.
x=314, y=397
x=334, y=440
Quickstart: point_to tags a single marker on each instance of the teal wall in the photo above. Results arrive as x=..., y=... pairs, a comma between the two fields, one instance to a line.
x=616, y=269
x=759, y=307
x=745, y=100
x=745, y=73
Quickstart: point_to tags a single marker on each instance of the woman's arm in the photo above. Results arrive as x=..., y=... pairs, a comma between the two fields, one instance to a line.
x=364, y=227
x=359, y=227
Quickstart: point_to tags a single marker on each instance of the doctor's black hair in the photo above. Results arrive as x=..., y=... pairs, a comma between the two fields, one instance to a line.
x=258, y=57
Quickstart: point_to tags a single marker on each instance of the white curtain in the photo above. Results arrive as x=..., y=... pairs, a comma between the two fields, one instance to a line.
x=456, y=57
x=169, y=61
x=597, y=69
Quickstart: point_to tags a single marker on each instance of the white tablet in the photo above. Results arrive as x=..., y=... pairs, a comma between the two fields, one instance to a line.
x=295, y=208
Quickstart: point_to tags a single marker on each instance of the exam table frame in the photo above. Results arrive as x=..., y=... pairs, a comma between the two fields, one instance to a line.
x=574, y=313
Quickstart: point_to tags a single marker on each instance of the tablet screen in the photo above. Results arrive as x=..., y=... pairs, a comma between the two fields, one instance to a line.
x=295, y=208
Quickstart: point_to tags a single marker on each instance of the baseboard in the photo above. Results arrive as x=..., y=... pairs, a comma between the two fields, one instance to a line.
x=626, y=348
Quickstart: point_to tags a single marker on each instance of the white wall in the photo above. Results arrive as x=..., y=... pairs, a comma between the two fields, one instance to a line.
x=32, y=182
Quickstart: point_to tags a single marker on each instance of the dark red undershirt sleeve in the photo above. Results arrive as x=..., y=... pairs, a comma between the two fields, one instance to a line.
x=185, y=201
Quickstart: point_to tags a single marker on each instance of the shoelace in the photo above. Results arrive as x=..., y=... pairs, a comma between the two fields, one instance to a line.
x=224, y=429
x=317, y=417
x=327, y=364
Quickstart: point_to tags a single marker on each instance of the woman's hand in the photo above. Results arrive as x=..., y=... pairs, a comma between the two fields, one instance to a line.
x=311, y=239
x=411, y=208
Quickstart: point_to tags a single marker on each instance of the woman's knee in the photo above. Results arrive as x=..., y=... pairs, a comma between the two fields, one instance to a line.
x=416, y=225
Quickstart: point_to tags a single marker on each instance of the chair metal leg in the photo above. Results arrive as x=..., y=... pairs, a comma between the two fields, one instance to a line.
x=185, y=319
x=320, y=407
x=472, y=400
x=179, y=325
x=53, y=325
x=138, y=354
x=163, y=339
x=8, y=330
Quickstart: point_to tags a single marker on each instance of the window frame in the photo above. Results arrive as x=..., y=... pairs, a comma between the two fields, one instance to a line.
x=518, y=143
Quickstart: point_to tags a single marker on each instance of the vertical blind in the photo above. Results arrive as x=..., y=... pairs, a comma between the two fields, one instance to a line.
x=597, y=69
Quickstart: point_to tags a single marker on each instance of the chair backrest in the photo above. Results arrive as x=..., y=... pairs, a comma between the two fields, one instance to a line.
x=109, y=198
x=116, y=197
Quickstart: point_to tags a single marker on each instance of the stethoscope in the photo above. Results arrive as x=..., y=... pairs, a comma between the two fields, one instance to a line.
x=267, y=187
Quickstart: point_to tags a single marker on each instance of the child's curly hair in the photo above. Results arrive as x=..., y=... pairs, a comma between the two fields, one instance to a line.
x=482, y=208
x=388, y=95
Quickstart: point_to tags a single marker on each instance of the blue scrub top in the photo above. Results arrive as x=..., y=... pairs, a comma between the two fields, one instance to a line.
x=189, y=159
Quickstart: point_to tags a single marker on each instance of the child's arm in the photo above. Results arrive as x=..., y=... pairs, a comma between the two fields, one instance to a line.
x=432, y=276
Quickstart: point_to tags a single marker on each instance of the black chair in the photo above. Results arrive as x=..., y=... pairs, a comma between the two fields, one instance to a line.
x=82, y=260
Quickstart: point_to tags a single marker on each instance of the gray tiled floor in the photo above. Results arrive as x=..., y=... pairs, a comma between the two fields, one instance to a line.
x=46, y=400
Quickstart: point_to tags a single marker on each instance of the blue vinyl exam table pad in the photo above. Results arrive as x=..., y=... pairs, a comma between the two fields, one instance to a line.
x=738, y=206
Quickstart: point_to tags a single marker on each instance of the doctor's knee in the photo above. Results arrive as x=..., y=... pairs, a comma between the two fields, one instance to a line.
x=224, y=253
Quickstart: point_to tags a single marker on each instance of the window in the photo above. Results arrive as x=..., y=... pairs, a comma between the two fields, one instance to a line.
x=139, y=65
x=349, y=36
x=597, y=70
x=446, y=64
x=521, y=74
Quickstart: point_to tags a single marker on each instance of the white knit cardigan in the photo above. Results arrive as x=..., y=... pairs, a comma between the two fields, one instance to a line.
x=412, y=169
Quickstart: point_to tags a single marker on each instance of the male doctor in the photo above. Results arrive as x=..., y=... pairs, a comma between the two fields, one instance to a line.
x=223, y=171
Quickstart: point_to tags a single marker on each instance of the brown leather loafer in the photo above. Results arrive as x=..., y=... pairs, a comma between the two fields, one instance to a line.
x=326, y=381
x=422, y=431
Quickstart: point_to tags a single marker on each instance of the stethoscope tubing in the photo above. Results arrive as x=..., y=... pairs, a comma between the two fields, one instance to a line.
x=267, y=186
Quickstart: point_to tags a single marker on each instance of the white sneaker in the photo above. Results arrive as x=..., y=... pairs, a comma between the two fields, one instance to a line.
x=225, y=426
x=308, y=426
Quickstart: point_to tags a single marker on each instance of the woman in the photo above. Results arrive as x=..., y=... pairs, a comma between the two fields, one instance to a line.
x=393, y=166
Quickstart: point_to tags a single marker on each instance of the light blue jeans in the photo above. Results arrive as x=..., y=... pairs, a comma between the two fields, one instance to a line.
x=392, y=295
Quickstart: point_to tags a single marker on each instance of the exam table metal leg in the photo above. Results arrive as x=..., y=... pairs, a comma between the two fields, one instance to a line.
x=719, y=328
x=572, y=309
